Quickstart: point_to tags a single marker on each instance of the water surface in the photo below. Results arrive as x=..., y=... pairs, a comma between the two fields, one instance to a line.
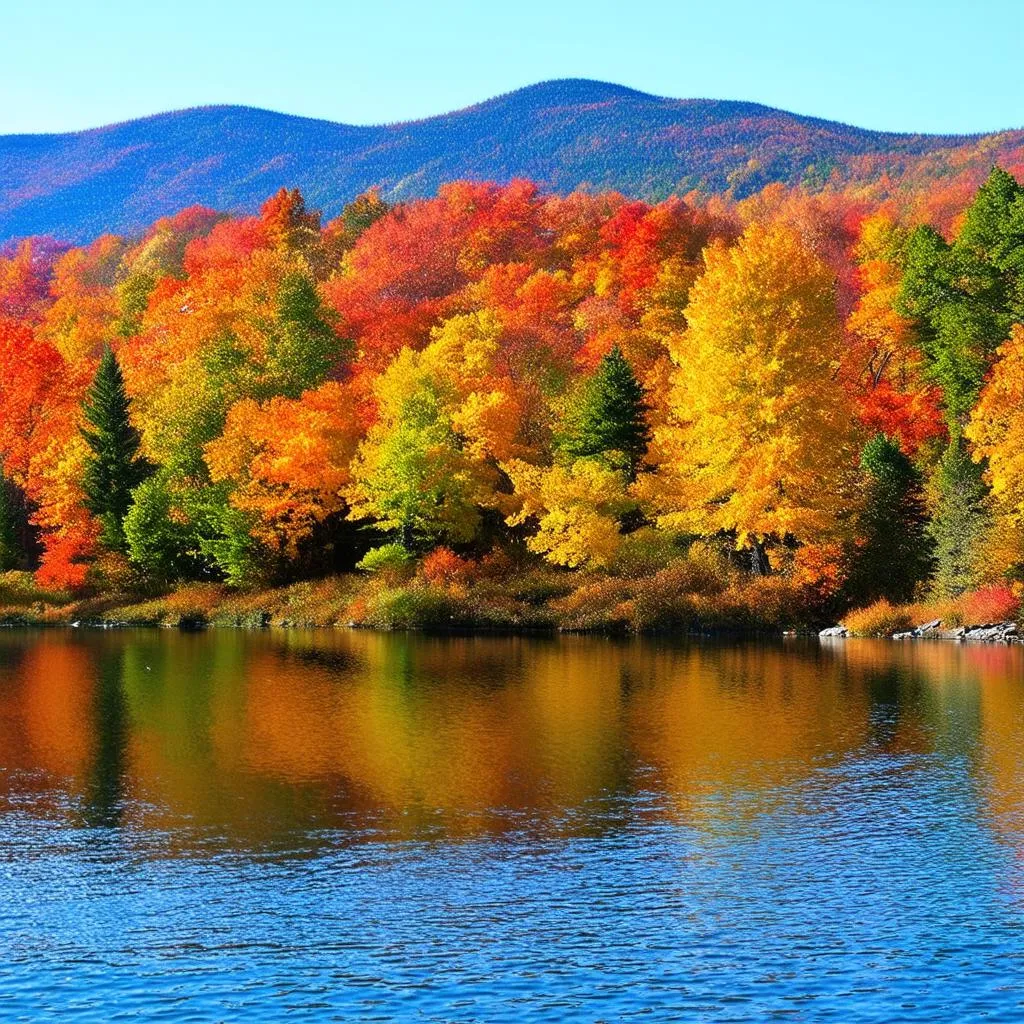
x=353, y=826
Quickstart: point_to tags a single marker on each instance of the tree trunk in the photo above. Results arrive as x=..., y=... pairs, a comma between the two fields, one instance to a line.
x=759, y=559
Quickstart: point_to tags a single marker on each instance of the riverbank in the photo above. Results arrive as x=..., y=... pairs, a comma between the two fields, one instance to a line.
x=989, y=615
x=693, y=594
x=686, y=597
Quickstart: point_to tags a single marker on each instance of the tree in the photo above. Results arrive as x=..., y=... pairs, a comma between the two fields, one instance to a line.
x=758, y=442
x=997, y=426
x=411, y=474
x=286, y=461
x=159, y=538
x=114, y=467
x=303, y=347
x=996, y=430
x=9, y=547
x=960, y=520
x=895, y=551
x=965, y=296
x=607, y=417
x=576, y=508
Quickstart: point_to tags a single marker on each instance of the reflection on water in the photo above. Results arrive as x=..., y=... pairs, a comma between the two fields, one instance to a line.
x=362, y=826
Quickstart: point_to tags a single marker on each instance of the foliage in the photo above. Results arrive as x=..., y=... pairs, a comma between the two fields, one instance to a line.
x=577, y=510
x=965, y=295
x=113, y=468
x=997, y=428
x=960, y=520
x=757, y=440
x=575, y=408
x=607, y=417
x=387, y=558
x=893, y=555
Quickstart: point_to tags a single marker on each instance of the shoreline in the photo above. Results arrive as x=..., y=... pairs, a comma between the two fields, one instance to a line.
x=1006, y=634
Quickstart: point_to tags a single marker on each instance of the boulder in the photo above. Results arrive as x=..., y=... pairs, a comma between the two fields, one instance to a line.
x=834, y=631
x=992, y=632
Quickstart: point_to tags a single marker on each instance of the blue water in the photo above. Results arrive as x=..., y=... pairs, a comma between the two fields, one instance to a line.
x=266, y=828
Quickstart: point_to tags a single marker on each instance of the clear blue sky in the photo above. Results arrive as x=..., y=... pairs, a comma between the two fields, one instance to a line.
x=923, y=65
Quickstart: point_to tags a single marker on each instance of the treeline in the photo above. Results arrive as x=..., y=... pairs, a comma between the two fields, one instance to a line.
x=816, y=389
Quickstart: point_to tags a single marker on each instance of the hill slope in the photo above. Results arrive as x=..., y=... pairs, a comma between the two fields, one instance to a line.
x=562, y=134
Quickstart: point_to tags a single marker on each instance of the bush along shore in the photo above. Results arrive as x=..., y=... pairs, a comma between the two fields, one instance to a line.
x=991, y=615
x=699, y=591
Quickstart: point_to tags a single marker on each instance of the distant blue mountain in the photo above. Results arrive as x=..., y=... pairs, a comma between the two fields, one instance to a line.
x=563, y=134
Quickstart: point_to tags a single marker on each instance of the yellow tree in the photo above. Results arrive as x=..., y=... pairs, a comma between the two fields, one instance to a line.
x=758, y=440
x=996, y=430
x=577, y=509
x=445, y=418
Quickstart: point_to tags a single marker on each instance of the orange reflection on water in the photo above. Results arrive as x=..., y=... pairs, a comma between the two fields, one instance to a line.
x=257, y=735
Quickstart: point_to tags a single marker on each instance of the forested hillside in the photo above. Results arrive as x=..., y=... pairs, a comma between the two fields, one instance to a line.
x=563, y=135
x=505, y=405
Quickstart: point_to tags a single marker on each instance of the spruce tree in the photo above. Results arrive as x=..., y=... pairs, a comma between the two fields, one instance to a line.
x=896, y=551
x=114, y=467
x=607, y=417
x=966, y=295
x=960, y=520
x=9, y=547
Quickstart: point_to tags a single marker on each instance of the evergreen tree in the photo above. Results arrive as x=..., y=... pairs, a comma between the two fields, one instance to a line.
x=114, y=467
x=9, y=547
x=896, y=552
x=966, y=296
x=607, y=417
x=960, y=521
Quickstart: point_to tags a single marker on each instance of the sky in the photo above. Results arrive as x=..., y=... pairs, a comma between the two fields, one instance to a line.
x=900, y=65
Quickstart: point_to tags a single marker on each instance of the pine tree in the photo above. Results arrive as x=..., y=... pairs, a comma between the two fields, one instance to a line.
x=965, y=296
x=896, y=552
x=9, y=553
x=114, y=467
x=607, y=417
x=960, y=521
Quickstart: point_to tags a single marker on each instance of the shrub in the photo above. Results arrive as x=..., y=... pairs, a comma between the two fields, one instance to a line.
x=412, y=606
x=997, y=603
x=388, y=559
x=20, y=590
x=445, y=568
x=880, y=619
x=644, y=553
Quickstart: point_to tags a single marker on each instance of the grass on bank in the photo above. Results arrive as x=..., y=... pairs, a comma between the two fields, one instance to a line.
x=994, y=604
x=650, y=587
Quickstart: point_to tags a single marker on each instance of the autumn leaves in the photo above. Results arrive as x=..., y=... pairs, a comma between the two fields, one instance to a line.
x=496, y=368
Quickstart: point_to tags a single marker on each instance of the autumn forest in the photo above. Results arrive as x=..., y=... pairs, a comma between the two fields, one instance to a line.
x=504, y=407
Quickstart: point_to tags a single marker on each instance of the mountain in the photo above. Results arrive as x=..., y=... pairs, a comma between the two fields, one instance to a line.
x=563, y=134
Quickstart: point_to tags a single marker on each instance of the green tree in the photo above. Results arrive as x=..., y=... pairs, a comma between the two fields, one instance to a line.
x=966, y=295
x=364, y=211
x=895, y=554
x=960, y=521
x=114, y=468
x=9, y=547
x=606, y=418
x=133, y=292
x=411, y=473
x=303, y=347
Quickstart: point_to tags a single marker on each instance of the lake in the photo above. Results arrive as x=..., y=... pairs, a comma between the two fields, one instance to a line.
x=356, y=826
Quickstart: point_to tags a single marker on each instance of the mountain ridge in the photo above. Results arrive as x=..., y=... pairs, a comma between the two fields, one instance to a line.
x=564, y=133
